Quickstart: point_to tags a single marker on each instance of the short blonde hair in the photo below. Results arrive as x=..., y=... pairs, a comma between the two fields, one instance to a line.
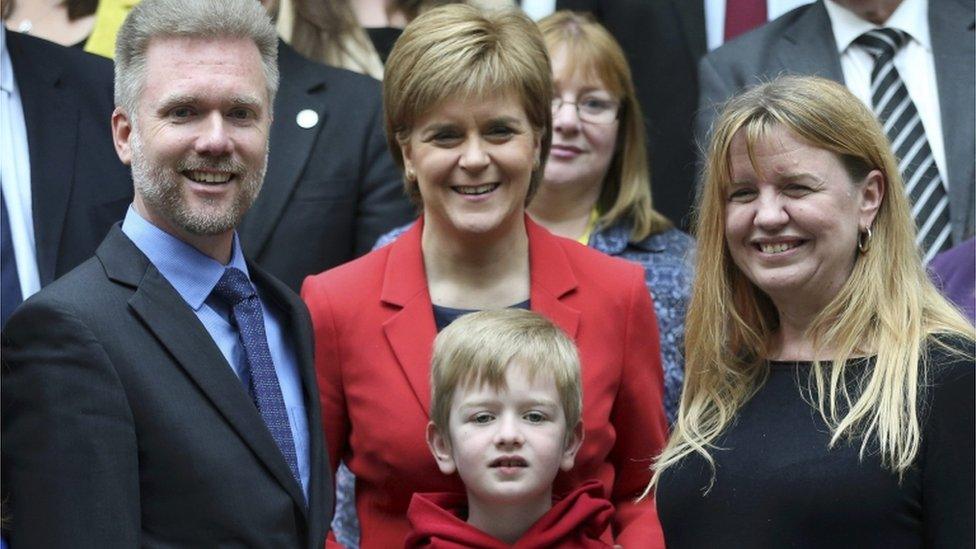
x=478, y=348
x=593, y=52
x=887, y=307
x=461, y=51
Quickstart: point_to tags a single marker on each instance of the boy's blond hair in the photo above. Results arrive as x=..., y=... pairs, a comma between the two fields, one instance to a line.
x=477, y=348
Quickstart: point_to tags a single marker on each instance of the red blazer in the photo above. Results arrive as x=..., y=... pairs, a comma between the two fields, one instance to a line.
x=374, y=330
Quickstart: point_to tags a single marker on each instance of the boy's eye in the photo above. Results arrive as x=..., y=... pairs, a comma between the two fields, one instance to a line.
x=482, y=418
x=534, y=417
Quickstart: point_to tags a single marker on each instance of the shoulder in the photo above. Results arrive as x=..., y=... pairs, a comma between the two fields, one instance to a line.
x=86, y=73
x=746, y=49
x=351, y=88
x=347, y=282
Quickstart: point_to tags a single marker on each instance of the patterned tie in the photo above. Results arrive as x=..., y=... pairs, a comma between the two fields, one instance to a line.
x=10, y=296
x=236, y=290
x=897, y=112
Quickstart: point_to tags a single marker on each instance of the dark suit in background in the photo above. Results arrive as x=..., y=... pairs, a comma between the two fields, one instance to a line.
x=150, y=439
x=331, y=189
x=802, y=42
x=79, y=188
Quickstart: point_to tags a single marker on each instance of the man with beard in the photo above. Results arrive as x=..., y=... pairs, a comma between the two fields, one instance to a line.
x=162, y=393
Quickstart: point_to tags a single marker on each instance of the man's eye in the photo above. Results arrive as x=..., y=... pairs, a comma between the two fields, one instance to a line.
x=181, y=112
x=482, y=418
x=240, y=114
x=534, y=417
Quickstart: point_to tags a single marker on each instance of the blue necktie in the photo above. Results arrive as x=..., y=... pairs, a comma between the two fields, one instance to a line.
x=236, y=290
x=10, y=296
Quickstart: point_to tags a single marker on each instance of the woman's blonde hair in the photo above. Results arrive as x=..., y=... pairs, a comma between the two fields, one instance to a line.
x=461, y=51
x=887, y=307
x=592, y=51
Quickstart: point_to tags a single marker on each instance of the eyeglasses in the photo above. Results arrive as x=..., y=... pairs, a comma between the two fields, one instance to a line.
x=590, y=109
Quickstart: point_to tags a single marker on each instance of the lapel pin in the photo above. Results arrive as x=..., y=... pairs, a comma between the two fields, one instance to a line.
x=307, y=118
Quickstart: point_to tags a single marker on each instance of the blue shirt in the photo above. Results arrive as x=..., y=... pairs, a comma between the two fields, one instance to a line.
x=194, y=274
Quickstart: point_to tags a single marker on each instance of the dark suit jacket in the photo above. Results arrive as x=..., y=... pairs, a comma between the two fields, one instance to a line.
x=374, y=328
x=802, y=42
x=663, y=41
x=331, y=190
x=79, y=187
x=124, y=426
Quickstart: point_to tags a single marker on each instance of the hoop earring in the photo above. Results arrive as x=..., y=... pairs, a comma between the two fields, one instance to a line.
x=864, y=240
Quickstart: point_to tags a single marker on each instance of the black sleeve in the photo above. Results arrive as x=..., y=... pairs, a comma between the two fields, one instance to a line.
x=948, y=455
x=69, y=450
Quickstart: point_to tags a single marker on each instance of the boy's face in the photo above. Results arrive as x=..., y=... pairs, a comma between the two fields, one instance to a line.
x=507, y=445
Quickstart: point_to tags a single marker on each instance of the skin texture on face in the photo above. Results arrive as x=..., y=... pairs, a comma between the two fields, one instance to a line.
x=507, y=445
x=199, y=143
x=792, y=227
x=581, y=151
x=473, y=159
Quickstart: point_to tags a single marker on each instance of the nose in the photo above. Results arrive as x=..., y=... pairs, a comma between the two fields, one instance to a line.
x=474, y=157
x=565, y=119
x=771, y=213
x=509, y=434
x=214, y=139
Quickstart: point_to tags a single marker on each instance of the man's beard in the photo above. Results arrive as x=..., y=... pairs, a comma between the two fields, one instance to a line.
x=161, y=189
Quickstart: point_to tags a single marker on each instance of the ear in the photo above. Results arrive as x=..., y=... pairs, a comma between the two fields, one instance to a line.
x=121, y=133
x=573, y=443
x=406, y=151
x=872, y=194
x=440, y=447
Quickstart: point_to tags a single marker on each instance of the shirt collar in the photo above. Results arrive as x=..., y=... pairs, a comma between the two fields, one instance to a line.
x=911, y=16
x=6, y=68
x=191, y=272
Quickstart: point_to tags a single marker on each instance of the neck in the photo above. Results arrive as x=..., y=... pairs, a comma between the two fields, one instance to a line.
x=507, y=521
x=217, y=246
x=564, y=209
x=476, y=271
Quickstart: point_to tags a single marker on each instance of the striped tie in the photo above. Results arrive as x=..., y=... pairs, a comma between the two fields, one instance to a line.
x=897, y=112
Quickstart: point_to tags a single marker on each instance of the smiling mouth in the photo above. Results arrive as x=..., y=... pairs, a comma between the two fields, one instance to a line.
x=778, y=247
x=208, y=177
x=508, y=461
x=476, y=190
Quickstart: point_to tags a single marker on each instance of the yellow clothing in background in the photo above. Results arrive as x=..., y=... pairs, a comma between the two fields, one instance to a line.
x=108, y=18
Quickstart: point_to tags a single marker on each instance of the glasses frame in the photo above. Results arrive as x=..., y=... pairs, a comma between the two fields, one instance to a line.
x=558, y=103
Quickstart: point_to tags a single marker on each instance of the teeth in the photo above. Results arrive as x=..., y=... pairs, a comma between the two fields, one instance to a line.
x=208, y=177
x=777, y=248
x=480, y=189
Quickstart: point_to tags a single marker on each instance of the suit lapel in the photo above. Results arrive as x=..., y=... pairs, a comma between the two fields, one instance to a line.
x=691, y=14
x=951, y=29
x=51, y=117
x=180, y=332
x=410, y=331
x=290, y=147
x=808, y=46
x=552, y=279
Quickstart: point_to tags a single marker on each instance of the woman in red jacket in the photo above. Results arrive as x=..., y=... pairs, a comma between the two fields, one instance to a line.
x=467, y=99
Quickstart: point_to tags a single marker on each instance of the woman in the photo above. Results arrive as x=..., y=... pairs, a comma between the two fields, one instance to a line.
x=828, y=397
x=467, y=97
x=597, y=187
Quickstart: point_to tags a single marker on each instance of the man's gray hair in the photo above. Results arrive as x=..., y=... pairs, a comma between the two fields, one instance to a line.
x=188, y=19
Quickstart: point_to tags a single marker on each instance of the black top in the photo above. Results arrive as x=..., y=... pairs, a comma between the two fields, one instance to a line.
x=383, y=39
x=778, y=485
x=444, y=316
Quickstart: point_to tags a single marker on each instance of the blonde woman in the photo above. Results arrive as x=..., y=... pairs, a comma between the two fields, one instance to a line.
x=828, y=398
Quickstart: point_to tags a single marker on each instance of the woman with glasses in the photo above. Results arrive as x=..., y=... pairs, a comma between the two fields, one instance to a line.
x=596, y=187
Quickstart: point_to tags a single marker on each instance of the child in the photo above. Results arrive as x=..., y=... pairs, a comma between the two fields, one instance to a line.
x=505, y=410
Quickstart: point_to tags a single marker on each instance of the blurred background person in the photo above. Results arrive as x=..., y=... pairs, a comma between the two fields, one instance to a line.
x=828, y=398
x=954, y=272
x=597, y=186
x=468, y=109
x=88, y=24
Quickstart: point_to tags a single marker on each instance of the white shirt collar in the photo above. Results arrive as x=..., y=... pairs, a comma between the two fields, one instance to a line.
x=911, y=16
x=6, y=69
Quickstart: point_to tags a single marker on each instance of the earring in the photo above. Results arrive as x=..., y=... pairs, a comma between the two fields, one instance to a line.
x=410, y=175
x=864, y=240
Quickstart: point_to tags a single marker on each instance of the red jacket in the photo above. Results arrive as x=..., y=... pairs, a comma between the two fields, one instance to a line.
x=374, y=331
x=576, y=522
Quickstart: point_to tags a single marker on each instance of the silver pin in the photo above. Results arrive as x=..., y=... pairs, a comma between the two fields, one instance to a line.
x=307, y=118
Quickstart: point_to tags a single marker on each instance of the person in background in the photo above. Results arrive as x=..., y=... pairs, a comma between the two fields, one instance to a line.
x=505, y=417
x=88, y=24
x=467, y=97
x=162, y=394
x=954, y=272
x=597, y=189
x=828, y=396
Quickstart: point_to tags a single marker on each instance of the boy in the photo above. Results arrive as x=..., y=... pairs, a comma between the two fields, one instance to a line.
x=505, y=410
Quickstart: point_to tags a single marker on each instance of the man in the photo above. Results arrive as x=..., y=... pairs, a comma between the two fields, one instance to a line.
x=63, y=185
x=332, y=188
x=926, y=51
x=152, y=396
